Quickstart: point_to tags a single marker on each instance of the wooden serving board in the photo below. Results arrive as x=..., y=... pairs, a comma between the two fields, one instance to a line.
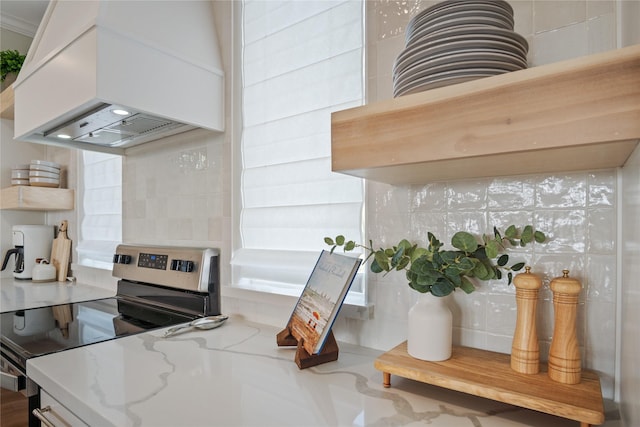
x=488, y=374
x=61, y=252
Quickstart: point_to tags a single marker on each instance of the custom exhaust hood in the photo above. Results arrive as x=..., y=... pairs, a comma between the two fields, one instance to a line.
x=105, y=75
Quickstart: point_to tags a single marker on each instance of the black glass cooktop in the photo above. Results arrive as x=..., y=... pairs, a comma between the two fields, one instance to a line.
x=40, y=331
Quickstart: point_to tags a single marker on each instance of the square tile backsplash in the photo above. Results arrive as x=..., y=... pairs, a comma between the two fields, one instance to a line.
x=576, y=212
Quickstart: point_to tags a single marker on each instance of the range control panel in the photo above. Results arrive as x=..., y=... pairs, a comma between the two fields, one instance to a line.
x=159, y=262
x=178, y=267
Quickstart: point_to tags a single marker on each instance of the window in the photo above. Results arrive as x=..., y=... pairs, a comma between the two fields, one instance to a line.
x=100, y=210
x=300, y=62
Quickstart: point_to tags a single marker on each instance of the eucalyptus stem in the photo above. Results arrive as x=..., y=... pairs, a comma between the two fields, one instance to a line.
x=432, y=269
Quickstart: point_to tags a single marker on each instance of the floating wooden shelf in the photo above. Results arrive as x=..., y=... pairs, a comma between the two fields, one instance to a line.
x=488, y=374
x=6, y=103
x=28, y=198
x=579, y=114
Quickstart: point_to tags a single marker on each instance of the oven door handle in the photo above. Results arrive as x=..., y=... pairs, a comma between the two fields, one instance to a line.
x=40, y=414
x=12, y=380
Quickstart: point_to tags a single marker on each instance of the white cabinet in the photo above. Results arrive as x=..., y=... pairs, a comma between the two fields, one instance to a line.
x=52, y=413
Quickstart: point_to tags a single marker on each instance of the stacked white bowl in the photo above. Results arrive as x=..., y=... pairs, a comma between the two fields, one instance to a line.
x=456, y=41
x=20, y=175
x=44, y=174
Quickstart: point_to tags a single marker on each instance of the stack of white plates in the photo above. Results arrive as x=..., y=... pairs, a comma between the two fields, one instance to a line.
x=20, y=175
x=44, y=174
x=456, y=41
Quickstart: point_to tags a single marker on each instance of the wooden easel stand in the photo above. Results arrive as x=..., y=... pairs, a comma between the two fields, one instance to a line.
x=302, y=358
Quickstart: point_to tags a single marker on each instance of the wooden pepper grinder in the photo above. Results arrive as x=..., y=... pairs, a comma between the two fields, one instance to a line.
x=564, y=355
x=525, y=351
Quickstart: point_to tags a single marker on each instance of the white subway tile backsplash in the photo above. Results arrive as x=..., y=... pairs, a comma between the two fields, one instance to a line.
x=561, y=191
x=429, y=197
x=523, y=17
x=511, y=193
x=550, y=266
x=599, y=342
x=597, y=8
x=474, y=222
x=601, y=278
x=467, y=195
x=501, y=314
x=601, y=32
x=601, y=188
x=552, y=14
x=469, y=310
x=423, y=223
x=566, y=229
x=602, y=226
x=392, y=16
x=558, y=44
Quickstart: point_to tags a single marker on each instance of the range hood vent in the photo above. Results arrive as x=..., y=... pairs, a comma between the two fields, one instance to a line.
x=107, y=75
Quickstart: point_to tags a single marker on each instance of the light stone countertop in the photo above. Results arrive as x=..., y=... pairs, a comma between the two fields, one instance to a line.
x=236, y=375
x=21, y=294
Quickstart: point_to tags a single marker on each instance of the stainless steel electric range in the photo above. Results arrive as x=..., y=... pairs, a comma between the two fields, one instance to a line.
x=158, y=286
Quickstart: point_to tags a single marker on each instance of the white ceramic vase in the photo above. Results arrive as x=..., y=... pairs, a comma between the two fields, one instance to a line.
x=430, y=329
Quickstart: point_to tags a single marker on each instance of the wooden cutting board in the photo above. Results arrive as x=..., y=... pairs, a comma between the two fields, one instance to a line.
x=61, y=252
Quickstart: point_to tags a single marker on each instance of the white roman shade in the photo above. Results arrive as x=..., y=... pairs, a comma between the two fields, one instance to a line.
x=301, y=61
x=101, y=209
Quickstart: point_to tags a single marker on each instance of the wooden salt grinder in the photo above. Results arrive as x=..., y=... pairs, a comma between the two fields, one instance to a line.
x=564, y=355
x=525, y=351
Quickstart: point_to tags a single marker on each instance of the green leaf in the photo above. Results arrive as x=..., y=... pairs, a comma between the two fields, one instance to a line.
x=527, y=235
x=539, y=237
x=481, y=271
x=467, y=286
x=329, y=241
x=397, y=256
x=492, y=249
x=503, y=260
x=382, y=260
x=419, y=252
x=351, y=245
x=466, y=264
x=405, y=245
x=511, y=232
x=448, y=257
x=375, y=267
x=453, y=276
x=403, y=263
x=441, y=288
x=518, y=266
x=418, y=287
x=340, y=240
x=464, y=241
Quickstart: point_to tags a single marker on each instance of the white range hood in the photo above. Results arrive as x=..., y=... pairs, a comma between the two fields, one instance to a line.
x=157, y=60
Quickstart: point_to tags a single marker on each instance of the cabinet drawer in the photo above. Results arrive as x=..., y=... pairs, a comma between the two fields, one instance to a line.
x=56, y=414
